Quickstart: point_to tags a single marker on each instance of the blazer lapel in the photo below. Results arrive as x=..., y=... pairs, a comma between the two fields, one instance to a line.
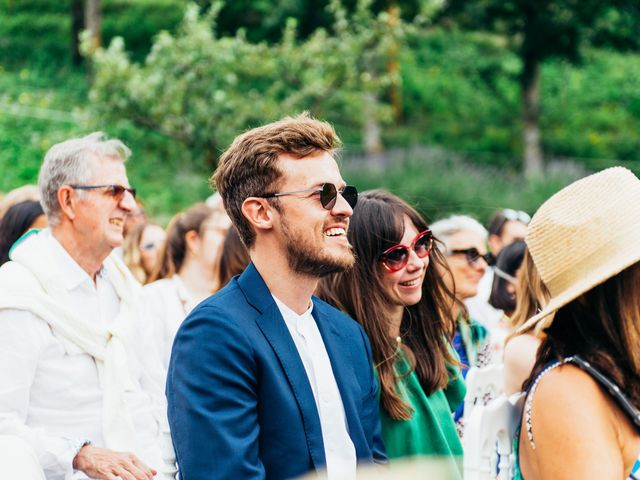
x=277, y=334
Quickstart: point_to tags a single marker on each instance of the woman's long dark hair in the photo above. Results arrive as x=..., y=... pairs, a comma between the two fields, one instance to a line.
x=426, y=328
x=15, y=223
x=603, y=327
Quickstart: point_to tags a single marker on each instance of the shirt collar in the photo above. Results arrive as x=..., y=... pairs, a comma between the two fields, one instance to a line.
x=71, y=274
x=291, y=317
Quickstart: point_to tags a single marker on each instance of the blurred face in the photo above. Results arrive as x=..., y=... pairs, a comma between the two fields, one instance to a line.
x=100, y=215
x=466, y=273
x=210, y=238
x=150, y=242
x=404, y=286
x=315, y=239
x=512, y=230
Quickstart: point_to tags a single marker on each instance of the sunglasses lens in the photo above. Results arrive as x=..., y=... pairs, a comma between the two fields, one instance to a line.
x=328, y=196
x=422, y=245
x=350, y=194
x=472, y=255
x=396, y=259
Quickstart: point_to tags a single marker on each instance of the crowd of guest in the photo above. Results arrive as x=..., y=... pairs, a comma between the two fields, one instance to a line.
x=291, y=323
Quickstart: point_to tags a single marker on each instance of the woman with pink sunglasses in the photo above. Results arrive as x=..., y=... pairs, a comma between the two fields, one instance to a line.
x=404, y=306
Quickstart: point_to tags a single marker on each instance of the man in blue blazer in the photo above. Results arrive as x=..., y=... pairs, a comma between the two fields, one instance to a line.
x=265, y=380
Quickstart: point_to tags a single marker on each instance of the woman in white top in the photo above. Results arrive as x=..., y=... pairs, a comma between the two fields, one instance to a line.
x=186, y=274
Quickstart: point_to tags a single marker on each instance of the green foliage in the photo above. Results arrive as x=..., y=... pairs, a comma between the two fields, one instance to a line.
x=201, y=89
x=439, y=184
x=37, y=32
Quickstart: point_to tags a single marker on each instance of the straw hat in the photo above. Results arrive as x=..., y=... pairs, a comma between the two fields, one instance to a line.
x=583, y=235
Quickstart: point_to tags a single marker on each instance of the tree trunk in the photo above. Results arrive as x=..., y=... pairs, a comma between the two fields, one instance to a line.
x=77, y=25
x=393, y=64
x=93, y=22
x=371, y=131
x=533, y=161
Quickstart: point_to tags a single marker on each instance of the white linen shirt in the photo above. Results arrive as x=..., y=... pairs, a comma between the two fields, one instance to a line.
x=164, y=305
x=50, y=394
x=340, y=452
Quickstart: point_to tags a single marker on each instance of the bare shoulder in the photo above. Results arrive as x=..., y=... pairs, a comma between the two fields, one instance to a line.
x=573, y=429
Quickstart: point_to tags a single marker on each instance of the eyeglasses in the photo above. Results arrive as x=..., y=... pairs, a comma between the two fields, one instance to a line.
x=396, y=257
x=115, y=191
x=328, y=195
x=472, y=255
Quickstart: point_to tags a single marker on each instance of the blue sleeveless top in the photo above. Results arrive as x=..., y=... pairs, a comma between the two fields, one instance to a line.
x=526, y=413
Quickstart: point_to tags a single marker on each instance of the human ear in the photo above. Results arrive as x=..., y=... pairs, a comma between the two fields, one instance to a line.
x=258, y=212
x=68, y=201
x=192, y=241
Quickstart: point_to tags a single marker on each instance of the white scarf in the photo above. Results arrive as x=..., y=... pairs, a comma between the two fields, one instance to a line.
x=29, y=283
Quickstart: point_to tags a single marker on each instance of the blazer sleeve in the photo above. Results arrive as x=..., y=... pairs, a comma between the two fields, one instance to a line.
x=212, y=400
x=371, y=408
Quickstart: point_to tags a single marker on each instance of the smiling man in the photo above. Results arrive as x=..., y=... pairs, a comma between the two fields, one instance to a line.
x=265, y=380
x=72, y=388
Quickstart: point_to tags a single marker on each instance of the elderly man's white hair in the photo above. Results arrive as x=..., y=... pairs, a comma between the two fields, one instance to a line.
x=444, y=229
x=71, y=163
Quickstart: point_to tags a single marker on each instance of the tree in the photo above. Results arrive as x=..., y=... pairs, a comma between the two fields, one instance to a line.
x=537, y=30
x=203, y=89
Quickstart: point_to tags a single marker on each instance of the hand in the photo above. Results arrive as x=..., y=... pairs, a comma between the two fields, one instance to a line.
x=103, y=464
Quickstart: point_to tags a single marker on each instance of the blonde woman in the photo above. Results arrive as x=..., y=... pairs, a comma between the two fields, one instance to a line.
x=186, y=274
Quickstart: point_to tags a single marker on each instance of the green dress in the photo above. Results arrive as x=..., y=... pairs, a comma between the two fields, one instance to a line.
x=431, y=431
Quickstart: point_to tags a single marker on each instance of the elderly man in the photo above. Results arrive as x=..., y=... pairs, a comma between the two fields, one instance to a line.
x=73, y=386
x=265, y=380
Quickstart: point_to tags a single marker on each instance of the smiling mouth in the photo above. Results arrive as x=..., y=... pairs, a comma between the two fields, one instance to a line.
x=410, y=283
x=335, y=232
x=118, y=222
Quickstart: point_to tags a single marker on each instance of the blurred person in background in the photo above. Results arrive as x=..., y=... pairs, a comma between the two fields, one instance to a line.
x=520, y=350
x=503, y=292
x=17, y=195
x=233, y=259
x=464, y=239
x=186, y=274
x=135, y=217
x=77, y=382
x=581, y=415
x=505, y=227
x=20, y=218
x=141, y=250
x=402, y=303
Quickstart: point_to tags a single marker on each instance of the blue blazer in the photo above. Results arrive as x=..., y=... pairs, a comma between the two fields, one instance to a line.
x=240, y=403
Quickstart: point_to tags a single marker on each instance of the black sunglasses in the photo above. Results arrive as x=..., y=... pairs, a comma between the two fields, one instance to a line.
x=328, y=195
x=396, y=257
x=472, y=255
x=115, y=191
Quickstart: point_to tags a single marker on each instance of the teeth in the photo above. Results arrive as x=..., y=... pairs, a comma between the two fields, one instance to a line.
x=116, y=221
x=334, y=232
x=410, y=283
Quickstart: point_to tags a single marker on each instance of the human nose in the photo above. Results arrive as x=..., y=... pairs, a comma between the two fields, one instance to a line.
x=341, y=207
x=128, y=202
x=414, y=262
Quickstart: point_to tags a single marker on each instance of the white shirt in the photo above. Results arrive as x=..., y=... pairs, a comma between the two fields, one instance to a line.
x=164, y=306
x=340, y=452
x=49, y=389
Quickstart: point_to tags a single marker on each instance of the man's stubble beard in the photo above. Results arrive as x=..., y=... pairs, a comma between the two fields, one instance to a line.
x=304, y=258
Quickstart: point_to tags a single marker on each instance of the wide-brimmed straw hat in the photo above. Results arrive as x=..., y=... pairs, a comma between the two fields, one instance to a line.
x=583, y=235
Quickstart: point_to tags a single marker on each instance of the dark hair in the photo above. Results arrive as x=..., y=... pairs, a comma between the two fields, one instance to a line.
x=15, y=223
x=175, y=246
x=603, y=327
x=249, y=166
x=427, y=327
x=234, y=258
x=508, y=261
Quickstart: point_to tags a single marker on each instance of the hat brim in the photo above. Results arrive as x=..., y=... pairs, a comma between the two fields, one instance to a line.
x=615, y=265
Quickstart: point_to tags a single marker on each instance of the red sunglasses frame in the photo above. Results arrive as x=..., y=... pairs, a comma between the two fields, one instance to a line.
x=384, y=255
